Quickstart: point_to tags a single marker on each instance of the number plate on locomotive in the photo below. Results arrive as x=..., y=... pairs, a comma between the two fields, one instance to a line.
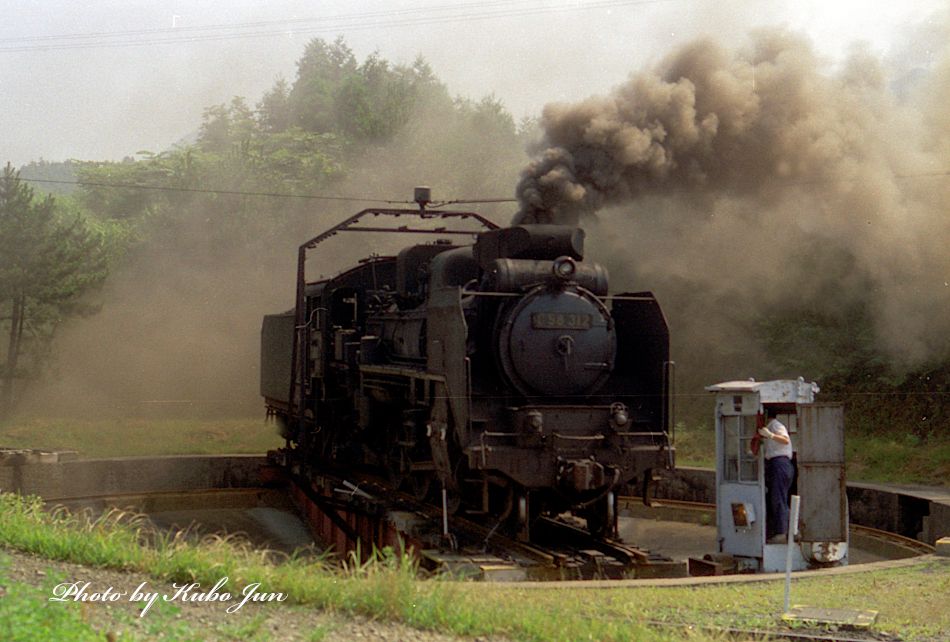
x=560, y=321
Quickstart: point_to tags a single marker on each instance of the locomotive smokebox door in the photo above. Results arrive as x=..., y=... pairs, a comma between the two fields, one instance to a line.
x=816, y=431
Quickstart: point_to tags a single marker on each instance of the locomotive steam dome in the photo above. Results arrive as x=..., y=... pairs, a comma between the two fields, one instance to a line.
x=557, y=342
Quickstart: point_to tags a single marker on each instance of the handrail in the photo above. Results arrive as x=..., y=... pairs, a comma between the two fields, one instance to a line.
x=297, y=396
x=347, y=224
x=597, y=437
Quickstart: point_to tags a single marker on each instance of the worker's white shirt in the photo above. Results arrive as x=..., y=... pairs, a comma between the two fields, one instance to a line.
x=774, y=448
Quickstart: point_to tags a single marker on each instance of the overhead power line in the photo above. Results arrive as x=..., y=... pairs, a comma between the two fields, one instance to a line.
x=284, y=22
x=224, y=192
x=227, y=192
x=422, y=16
x=924, y=174
x=434, y=204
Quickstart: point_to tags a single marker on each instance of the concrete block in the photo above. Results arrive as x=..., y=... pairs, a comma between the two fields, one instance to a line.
x=943, y=547
x=844, y=618
x=503, y=573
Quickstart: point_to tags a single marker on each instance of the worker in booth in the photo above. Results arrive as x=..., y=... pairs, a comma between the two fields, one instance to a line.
x=779, y=474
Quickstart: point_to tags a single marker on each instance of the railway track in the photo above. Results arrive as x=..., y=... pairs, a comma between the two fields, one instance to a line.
x=477, y=544
x=885, y=538
x=559, y=549
x=566, y=555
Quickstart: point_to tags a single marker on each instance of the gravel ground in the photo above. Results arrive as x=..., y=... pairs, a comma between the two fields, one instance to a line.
x=208, y=621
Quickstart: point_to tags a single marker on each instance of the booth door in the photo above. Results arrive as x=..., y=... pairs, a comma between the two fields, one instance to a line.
x=821, y=478
x=739, y=502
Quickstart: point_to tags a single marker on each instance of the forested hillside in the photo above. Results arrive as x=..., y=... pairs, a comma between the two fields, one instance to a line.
x=211, y=227
x=208, y=232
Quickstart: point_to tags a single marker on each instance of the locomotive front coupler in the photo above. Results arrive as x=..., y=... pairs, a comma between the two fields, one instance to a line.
x=582, y=475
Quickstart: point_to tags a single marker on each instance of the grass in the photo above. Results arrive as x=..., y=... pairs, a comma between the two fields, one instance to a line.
x=896, y=458
x=892, y=458
x=26, y=614
x=388, y=589
x=902, y=596
x=250, y=630
x=134, y=437
x=906, y=459
x=695, y=445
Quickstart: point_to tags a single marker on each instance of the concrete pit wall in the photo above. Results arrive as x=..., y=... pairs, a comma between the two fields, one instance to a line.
x=53, y=477
x=920, y=513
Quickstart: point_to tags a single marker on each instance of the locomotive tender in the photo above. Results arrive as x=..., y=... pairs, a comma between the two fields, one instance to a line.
x=500, y=373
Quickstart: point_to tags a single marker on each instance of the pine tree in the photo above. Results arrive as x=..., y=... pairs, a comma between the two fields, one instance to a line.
x=48, y=265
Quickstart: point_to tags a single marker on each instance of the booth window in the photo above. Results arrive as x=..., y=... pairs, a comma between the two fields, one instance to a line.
x=790, y=420
x=739, y=463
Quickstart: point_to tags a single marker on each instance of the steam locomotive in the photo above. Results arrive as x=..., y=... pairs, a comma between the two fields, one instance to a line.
x=499, y=374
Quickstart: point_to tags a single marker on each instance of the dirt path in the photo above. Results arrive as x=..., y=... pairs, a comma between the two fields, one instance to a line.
x=195, y=620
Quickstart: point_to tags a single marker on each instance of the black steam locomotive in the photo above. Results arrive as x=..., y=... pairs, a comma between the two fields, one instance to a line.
x=499, y=373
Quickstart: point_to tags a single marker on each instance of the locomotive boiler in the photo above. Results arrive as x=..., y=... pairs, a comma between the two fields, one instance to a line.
x=500, y=372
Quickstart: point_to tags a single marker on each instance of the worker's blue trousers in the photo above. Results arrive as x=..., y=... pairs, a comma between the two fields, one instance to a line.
x=779, y=473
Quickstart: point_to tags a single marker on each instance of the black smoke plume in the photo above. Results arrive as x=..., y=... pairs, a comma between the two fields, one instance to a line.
x=763, y=179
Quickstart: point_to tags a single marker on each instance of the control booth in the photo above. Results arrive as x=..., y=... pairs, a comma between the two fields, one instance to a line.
x=816, y=431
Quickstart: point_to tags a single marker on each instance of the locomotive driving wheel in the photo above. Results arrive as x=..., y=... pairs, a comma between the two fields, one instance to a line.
x=405, y=473
x=523, y=510
x=522, y=516
x=420, y=480
x=601, y=516
x=400, y=453
x=398, y=465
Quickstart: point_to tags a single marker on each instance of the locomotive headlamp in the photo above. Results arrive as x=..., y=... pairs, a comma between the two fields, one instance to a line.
x=564, y=268
x=618, y=415
x=535, y=420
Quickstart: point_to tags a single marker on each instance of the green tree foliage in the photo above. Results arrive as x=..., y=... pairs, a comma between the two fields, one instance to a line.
x=320, y=73
x=112, y=190
x=49, y=264
x=63, y=173
x=214, y=225
x=341, y=118
x=839, y=349
x=835, y=348
x=367, y=102
x=273, y=110
x=376, y=101
x=215, y=191
x=226, y=125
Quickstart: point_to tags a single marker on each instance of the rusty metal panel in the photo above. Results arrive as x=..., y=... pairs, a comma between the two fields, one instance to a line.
x=821, y=477
x=824, y=507
x=821, y=433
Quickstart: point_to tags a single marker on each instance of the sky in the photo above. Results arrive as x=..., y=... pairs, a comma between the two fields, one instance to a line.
x=86, y=79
